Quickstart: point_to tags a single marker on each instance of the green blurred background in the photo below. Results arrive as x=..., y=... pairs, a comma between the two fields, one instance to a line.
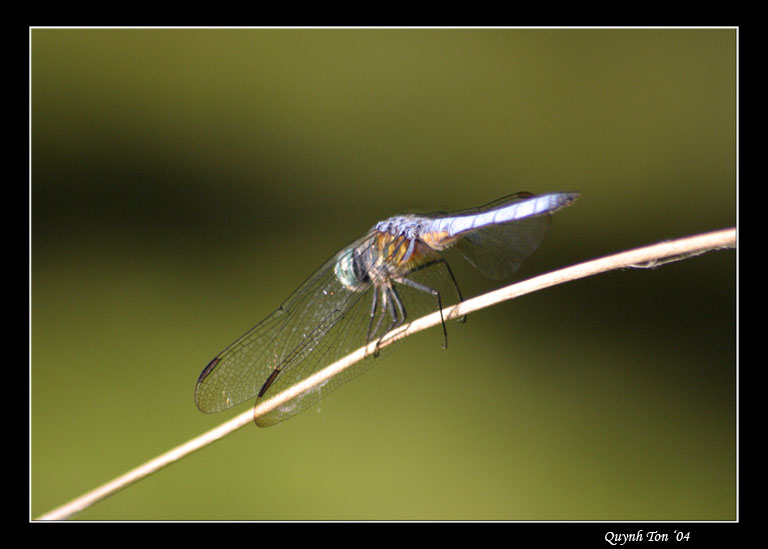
x=184, y=182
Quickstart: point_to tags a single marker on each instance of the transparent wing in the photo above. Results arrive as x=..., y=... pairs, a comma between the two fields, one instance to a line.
x=321, y=322
x=498, y=250
x=299, y=334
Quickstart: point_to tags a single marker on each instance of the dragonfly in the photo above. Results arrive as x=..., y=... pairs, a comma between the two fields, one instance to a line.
x=393, y=274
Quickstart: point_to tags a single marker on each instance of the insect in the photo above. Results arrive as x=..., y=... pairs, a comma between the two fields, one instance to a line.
x=375, y=284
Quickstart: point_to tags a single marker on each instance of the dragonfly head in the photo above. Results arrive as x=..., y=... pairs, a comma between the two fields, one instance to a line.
x=351, y=271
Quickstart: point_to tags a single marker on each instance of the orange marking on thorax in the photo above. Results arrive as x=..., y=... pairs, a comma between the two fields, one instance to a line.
x=392, y=250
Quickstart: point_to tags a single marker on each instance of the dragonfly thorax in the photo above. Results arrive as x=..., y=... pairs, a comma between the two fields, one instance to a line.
x=409, y=226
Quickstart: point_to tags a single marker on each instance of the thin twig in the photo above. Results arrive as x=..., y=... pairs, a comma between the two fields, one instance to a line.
x=649, y=256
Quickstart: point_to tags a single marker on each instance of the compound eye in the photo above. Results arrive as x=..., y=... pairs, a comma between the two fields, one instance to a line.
x=346, y=272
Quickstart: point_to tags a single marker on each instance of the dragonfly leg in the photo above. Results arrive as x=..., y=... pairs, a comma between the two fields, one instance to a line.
x=455, y=285
x=398, y=317
x=390, y=300
x=381, y=313
x=427, y=289
x=453, y=279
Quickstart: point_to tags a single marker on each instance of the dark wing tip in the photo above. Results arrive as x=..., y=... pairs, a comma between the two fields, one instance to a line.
x=208, y=369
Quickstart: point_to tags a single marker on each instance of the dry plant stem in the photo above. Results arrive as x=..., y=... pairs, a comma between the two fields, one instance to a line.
x=649, y=256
